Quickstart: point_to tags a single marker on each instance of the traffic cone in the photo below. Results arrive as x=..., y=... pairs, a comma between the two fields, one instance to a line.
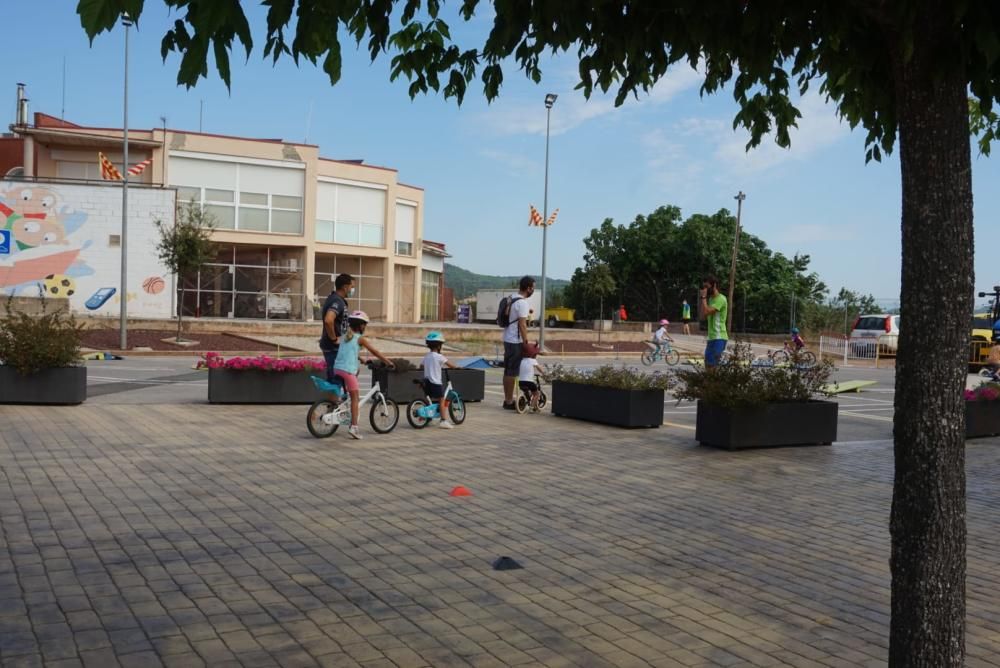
x=506, y=564
x=461, y=490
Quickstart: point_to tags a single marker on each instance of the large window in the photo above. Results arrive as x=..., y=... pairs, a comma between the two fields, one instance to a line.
x=350, y=214
x=430, y=283
x=369, y=282
x=248, y=282
x=255, y=198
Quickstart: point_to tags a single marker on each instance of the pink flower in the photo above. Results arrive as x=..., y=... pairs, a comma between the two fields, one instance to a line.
x=262, y=363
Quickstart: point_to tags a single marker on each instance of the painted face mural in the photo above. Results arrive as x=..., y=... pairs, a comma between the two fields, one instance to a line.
x=31, y=232
x=31, y=201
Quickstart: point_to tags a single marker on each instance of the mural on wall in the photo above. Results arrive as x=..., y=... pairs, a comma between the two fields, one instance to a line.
x=61, y=246
x=44, y=257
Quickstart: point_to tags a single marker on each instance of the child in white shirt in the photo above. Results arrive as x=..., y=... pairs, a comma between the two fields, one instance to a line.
x=530, y=367
x=433, y=385
x=661, y=336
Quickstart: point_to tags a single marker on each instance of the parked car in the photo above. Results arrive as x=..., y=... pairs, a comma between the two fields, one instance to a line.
x=867, y=330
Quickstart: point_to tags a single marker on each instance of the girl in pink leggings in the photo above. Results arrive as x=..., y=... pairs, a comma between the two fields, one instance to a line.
x=348, y=357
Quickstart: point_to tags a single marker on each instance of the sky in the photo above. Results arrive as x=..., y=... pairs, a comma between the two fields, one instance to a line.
x=482, y=165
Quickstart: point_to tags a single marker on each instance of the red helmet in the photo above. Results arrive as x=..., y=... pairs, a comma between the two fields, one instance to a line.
x=530, y=350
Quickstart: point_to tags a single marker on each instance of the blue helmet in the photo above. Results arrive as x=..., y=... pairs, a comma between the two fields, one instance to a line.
x=434, y=337
x=795, y=330
x=996, y=326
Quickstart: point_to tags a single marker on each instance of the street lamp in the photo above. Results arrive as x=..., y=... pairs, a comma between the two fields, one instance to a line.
x=123, y=312
x=732, y=267
x=550, y=99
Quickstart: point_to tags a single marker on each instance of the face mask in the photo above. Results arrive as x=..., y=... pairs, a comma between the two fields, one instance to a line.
x=350, y=293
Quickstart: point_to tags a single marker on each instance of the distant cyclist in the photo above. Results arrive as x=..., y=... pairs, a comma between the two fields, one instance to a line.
x=797, y=339
x=993, y=362
x=661, y=336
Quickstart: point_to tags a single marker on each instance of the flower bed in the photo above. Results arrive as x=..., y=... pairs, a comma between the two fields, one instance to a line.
x=261, y=379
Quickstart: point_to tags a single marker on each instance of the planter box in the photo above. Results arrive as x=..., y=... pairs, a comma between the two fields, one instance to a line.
x=398, y=385
x=66, y=385
x=793, y=423
x=982, y=418
x=620, y=408
x=253, y=386
x=469, y=383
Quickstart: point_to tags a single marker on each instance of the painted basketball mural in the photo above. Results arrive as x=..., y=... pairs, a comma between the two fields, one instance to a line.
x=153, y=285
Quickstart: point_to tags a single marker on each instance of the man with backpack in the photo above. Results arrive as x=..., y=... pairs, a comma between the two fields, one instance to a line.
x=512, y=315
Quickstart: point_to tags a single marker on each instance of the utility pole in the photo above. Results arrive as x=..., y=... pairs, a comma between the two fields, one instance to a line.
x=732, y=267
x=123, y=313
x=550, y=99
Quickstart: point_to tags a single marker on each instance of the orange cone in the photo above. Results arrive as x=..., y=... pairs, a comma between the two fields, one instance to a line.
x=461, y=490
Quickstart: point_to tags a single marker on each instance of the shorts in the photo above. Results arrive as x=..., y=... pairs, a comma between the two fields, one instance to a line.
x=433, y=390
x=512, y=355
x=527, y=386
x=350, y=380
x=686, y=321
x=714, y=350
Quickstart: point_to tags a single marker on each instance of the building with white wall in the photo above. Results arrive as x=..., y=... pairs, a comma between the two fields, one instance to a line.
x=287, y=220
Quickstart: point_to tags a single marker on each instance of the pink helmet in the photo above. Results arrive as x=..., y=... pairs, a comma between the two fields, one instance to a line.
x=358, y=315
x=664, y=322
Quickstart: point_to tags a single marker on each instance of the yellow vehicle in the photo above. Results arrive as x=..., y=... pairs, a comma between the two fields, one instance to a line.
x=555, y=316
x=982, y=335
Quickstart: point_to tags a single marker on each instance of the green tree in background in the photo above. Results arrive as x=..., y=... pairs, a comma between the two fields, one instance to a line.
x=184, y=247
x=901, y=69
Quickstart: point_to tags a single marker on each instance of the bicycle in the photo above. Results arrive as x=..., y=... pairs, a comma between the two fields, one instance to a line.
x=420, y=412
x=662, y=351
x=328, y=413
x=524, y=401
x=786, y=354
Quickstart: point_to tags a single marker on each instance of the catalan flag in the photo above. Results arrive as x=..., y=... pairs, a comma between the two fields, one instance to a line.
x=552, y=218
x=534, y=218
x=110, y=172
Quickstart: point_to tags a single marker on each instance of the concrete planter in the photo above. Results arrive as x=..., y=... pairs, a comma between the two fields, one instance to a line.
x=793, y=423
x=398, y=385
x=469, y=383
x=982, y=418
x=607, y=405
x=66, y=385
x=253, y=386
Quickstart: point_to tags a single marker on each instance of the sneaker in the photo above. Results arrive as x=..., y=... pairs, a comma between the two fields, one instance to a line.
x=509, y=407
x=446, y=425
x=353, y=431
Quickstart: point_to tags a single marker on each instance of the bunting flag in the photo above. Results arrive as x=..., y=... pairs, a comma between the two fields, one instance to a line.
x=110, y=173
x=552, y=218
x=534, y=218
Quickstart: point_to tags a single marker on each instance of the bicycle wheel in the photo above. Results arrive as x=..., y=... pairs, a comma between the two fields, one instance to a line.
x=672, y=357
x=780, y=356
x=456, y=408
x=807, y=358
x=542, y=399
x=648, y=357
x=384, y=415
x=416, y=420
x=318, y=427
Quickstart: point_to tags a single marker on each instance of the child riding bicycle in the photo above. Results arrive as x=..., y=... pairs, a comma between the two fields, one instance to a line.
x=433, y=361
x=526, y=377
x=660, y=336
x=347, y=363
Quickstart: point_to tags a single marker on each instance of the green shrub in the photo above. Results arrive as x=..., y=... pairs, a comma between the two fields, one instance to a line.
x=743, y=381
x=402, y=364
x=30, y=344
x=620, y=378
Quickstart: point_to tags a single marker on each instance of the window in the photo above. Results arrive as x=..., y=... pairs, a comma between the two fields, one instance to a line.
x=369, y=282
x=406, y=223
x=254, y=198
x=430, y=282
x=404, y=248
x=351, y=215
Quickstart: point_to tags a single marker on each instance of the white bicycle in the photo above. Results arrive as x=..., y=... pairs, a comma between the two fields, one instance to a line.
x=328, y=413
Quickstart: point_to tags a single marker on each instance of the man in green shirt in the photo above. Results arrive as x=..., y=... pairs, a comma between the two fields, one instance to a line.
x=686, y=317
x=715, y=308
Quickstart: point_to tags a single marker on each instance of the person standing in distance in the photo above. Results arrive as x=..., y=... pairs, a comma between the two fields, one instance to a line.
x=514, y=338
x=334, y=316
x=686, y=317
x=715, y=307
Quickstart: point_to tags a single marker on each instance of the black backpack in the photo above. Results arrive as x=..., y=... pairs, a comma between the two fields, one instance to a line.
x=503, y=311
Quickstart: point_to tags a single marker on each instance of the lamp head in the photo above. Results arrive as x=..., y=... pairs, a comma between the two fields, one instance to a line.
x=550, y=99
x=127, y=20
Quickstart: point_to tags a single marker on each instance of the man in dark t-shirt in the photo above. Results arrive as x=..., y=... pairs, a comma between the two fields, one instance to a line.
x=335, y=320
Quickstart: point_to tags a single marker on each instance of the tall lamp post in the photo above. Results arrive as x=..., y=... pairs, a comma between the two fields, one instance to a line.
x=550, y=99
x=123, y=312
x=732, y=267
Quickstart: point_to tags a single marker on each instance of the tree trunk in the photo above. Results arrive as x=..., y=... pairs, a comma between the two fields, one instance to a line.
x=928, y=502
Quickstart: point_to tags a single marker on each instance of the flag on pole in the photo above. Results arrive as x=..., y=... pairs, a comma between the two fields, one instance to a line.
x=534, y=218
x=552, y=218
x=108, y=171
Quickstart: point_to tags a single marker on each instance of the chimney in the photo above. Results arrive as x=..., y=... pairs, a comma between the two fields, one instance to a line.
x=22, y=107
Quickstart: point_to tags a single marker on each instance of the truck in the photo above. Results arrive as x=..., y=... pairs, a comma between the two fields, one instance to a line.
x=488, y=300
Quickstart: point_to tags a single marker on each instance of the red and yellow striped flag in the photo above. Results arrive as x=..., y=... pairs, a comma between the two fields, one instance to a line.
x=552, y=218
x=534, y=218
x=108, y=171
x=137, y=168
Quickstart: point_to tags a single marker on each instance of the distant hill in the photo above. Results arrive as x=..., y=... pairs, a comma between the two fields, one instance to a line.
x=465, y=283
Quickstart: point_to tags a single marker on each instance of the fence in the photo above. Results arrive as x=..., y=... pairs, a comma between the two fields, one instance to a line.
x=846, y=350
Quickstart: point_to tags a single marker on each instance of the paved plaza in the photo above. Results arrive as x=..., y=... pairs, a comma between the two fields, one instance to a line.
x=145, y=532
